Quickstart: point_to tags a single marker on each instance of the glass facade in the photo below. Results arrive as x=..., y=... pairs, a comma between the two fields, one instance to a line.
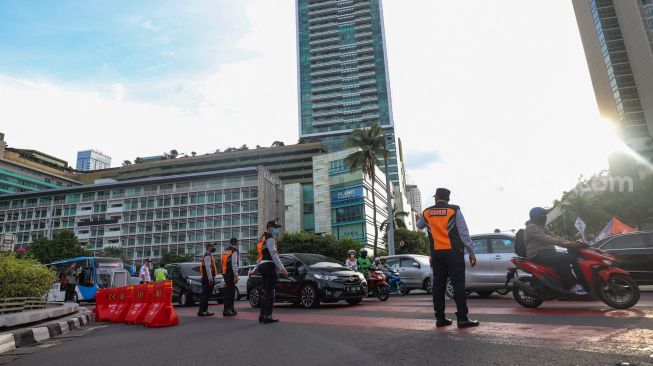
x=92, y=160
x=615, y=57
x=343, y=72
x=12, y=182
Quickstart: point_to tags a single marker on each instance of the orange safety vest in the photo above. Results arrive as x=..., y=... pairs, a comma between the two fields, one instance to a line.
x=441, y=223
x=263, y=252
x=226, y=256
x=215, y=268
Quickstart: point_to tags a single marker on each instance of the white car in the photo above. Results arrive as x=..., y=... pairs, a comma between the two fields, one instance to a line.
x=241, y=286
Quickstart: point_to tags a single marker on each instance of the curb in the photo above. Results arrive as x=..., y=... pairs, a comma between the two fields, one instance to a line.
x=28, y=337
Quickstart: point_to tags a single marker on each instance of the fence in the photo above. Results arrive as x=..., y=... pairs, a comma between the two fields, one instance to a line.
x=18, y=304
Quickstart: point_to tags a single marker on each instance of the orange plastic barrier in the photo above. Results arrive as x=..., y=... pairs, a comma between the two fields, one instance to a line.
x=123, y=303
x=161, y=313
x=141, y=302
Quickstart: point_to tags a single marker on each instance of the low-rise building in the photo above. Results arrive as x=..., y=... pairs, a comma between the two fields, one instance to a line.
x=149, y=216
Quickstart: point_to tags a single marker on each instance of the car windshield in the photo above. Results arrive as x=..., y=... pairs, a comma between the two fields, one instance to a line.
x=318, y=261
x=191, y=269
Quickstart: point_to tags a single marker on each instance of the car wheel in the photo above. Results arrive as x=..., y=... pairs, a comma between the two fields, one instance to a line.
x=308, y=297
x=449, y=289
x=484, y=293
x=427, y=286
x=354, y=301
x=184, y=299
x=254, y=297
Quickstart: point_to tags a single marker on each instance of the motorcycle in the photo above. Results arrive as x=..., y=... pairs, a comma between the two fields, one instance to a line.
x=377, y=284
x=395, y=283
x=598, y=274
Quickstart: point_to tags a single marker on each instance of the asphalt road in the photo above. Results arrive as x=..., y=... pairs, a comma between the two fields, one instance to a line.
x=400, y=331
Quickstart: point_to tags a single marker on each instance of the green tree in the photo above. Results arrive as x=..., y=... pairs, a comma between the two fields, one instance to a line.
x=113, y=252
x=126, y=163
x=370, y=143
x=633, y=208
x=326, y=245
x=138, y=160
x=398, y=217
x=414, y=242
x=63, y=245
x=278, y=144
x=24, y=277
x=172, y=257
x=173, y=154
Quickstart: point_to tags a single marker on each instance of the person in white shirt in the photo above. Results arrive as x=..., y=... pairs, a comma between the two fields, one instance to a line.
x=144, y=274
x=351, y=261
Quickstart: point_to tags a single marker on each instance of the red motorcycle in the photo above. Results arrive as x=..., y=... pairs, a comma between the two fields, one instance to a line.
x=377, y=284
x=598, y=274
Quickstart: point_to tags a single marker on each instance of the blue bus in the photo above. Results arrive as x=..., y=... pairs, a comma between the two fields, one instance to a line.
x=92, y=273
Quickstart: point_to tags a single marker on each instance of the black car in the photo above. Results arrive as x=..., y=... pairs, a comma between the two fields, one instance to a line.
x=187, y=285
x=634, y=253
x=312, y=278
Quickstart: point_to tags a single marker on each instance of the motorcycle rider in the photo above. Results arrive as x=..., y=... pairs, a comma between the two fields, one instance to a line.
x=383, y=266
x=351, y=261
x=364, y=263
x=540, y=248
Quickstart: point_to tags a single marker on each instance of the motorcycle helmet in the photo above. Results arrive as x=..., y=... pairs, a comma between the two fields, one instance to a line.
x=382, y=259
x=538, y=215
x=351, y=253
x=363, y=252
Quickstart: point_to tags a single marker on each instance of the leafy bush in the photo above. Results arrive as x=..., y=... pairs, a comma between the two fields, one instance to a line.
x=326, y=245
x=415, y=242
x=63, y=245
x=24, y=277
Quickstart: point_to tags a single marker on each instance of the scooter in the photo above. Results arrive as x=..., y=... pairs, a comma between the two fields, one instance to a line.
x=395, y=283
x=377, y=284
x=598, y=274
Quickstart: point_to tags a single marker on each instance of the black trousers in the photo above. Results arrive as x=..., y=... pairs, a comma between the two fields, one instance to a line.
x=70, y=292
x=561, y=263
x=269, y=273
x=229, y=291
x=449, y=264
x=207, y=289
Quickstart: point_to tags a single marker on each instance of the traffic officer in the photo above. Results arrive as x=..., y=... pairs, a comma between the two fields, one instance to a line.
x=230, y=274
x=269, y=264
x=208, y=271
x=449, y=236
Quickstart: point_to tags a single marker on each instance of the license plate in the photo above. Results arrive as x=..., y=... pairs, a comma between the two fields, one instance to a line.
x=354, y=289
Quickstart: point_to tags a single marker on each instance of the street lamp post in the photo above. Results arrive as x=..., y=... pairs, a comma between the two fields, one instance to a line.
x=390, y=226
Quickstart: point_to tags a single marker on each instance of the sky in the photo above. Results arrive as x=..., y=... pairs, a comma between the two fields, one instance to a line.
x=491, y=98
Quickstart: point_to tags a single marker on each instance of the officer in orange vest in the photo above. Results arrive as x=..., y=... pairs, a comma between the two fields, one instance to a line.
x=230, y=274
x=449, y=236
x=208, y=271
x=269, y=265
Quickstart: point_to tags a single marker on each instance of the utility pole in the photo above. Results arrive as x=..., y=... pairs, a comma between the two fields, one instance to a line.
x=388, y=191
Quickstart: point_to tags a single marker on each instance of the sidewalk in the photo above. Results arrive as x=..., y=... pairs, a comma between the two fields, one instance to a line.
x=27, y=332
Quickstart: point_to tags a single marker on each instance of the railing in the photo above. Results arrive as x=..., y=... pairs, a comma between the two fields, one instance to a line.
x=18, y=304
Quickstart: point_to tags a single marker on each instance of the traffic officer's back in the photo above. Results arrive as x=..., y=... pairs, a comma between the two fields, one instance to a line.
x=449, y=236
x=230, y=272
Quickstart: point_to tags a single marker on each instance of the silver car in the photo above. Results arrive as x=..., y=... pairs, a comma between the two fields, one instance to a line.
x=414, y=269
x=493, y=254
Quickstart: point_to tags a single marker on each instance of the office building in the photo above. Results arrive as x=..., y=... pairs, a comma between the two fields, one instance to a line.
x=343, y=74
x=618, y=41
x=149, y=216
x=24, y=170
x=414, y=197
x=92, y=160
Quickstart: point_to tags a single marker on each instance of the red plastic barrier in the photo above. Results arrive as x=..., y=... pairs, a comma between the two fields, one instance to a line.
x=142, y=300
x=161, y=313
x=124, y=300
x=101, y=305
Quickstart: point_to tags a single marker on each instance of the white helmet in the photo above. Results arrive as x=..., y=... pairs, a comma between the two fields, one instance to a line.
x=351, y=253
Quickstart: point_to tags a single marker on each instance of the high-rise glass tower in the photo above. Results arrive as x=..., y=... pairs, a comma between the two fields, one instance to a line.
x=617, y=37
x=343, y=74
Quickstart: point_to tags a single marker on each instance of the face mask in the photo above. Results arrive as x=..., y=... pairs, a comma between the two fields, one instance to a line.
x=275, y=231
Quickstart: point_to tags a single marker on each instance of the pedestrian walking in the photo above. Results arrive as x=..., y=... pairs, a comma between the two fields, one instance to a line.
x=144, y=274
x=208, y=271
x=72, y=279
x=449, y=236
x=160, y=274
x=269, y=264
x=230, y=274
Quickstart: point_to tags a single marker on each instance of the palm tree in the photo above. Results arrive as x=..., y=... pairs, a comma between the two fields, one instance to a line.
x=398, y=219
x=371, y=145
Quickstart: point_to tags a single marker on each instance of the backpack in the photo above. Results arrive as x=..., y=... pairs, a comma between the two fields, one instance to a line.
x=520, y=243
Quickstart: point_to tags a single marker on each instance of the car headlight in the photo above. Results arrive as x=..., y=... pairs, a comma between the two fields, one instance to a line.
x=325, y=277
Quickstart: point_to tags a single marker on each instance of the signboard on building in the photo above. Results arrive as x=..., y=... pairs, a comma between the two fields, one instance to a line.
x=347, y=194
x=6, y=242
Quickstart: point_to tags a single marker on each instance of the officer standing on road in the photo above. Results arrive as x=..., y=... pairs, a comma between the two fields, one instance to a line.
x=160, y=274
x=208, y=271
x=230, y=273
x=449, y=237
x=269, y=264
